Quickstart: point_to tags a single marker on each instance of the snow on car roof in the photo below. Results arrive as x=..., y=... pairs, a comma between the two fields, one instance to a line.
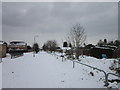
x=18, y=43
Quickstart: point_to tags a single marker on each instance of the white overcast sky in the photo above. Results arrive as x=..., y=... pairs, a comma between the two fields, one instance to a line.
x=53, y=20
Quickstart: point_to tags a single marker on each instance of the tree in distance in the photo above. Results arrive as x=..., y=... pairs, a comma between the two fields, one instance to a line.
x=36, y=47
x=65, y=44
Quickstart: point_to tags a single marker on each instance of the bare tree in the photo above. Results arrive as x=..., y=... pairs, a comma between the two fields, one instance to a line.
x=77, y=35
x=51, y=45
x=100, y=43
x=77, y=38
x=65, y=44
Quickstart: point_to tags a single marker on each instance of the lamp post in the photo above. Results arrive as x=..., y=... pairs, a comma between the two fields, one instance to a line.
x=33, y=45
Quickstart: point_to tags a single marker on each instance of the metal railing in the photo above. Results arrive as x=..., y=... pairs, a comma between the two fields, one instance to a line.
x=111, y=74
x=105, y=73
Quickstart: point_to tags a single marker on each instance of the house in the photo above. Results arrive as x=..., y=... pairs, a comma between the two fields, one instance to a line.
x=3, y=49
x=17, y=46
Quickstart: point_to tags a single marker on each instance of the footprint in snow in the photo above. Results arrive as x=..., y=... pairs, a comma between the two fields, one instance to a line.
x=63, y=81
x=12, y=72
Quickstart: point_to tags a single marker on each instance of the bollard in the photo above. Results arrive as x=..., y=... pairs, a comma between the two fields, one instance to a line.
x=65, y=59
x=62, y=59
x=33, y=54
x=57, y=57
x=73, y=64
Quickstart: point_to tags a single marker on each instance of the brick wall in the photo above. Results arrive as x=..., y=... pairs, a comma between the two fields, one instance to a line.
x=3, y=49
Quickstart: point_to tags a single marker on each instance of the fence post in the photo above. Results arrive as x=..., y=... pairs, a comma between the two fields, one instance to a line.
x=62, y=59
x=73, y=64
x=57, y=57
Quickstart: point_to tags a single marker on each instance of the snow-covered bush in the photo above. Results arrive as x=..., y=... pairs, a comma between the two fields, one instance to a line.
x=114, y=67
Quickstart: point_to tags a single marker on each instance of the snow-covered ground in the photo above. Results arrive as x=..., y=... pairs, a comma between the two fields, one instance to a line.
x=47, y=71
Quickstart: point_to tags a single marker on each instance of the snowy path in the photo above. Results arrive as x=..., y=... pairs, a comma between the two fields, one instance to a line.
x=45, y=71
